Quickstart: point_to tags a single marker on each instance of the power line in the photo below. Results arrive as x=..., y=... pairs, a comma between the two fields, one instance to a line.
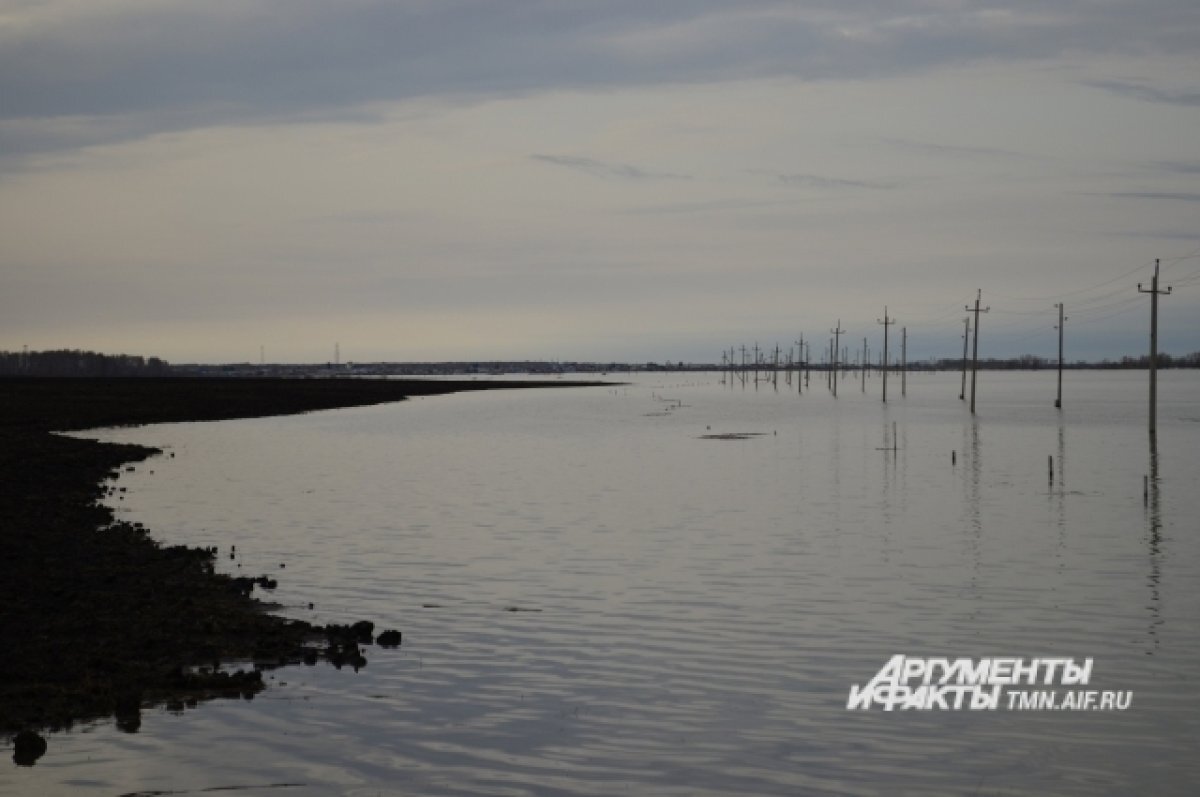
x=1075, y=292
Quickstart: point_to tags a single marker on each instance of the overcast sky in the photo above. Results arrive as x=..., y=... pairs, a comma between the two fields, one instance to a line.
x=594, y=179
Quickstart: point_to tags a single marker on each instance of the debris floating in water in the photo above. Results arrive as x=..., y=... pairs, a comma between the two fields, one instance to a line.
x=731, y=435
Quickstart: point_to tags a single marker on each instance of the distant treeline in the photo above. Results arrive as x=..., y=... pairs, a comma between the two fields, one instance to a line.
x=1029, y=362
x=71, y=362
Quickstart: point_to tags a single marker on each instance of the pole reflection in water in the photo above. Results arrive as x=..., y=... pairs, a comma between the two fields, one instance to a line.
x=1154, y=523
x=973, y=475
x=1060, y=498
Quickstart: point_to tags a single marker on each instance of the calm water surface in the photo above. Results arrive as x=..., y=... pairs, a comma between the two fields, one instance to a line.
x=693, y=611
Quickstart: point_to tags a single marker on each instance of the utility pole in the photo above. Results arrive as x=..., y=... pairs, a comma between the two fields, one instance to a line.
x=903, y=361
x=1154, y=294
x=865, y=365
x=975, y=349
x=829, y=366
x=1061, y=319
x=887, y=322
x=800, y=364
x=962, y=391
x=837, y=331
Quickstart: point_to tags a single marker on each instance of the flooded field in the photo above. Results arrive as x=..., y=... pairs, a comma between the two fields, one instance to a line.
x=669, y=587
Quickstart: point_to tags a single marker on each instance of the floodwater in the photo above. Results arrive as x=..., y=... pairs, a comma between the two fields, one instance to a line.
x=597, y=599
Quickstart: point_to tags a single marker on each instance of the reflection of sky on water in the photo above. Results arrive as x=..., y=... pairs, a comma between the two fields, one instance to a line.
x=704, y=604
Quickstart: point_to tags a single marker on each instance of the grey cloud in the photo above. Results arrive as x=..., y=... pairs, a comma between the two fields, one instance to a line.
x=958, y=151
x=606, y=169
x=1182, y=235
x=1179, y=197
x=817, y=181
x=171, y=66
x=709, y=206
x=1142, y=91
x=1179, y=167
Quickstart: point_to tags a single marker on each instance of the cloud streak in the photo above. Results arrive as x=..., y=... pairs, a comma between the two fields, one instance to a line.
x=1163, y=195
x=599, y=168
x=1147, y=93
x=959, y=151
x=820, y=182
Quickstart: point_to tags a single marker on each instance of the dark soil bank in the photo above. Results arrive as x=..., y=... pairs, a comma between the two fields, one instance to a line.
x=97, y=618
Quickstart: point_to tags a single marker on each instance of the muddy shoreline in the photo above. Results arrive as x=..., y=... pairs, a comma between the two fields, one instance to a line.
x=99, y=619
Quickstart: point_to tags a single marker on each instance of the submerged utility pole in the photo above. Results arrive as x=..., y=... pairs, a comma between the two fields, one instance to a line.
x=962, y=391
x=837, y=331
x=887, y=322
x=865, y=364
x=903, y=361
x=1154, y=294
x=829, y=366
x=800, y=364
x=975, y=348
x=1061, y=319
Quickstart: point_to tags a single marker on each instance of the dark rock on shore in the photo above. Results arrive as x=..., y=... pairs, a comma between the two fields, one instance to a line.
x=28, y=747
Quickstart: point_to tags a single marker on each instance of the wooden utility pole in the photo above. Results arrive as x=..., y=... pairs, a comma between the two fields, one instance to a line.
x=887, y=322
x=1061, y=319
x=1154, y=294
x=800, y=364
x=865, y=364
x=903, y=361
x=829, y=366
x=962, y=391
x=837, y=331
x=975, y=348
